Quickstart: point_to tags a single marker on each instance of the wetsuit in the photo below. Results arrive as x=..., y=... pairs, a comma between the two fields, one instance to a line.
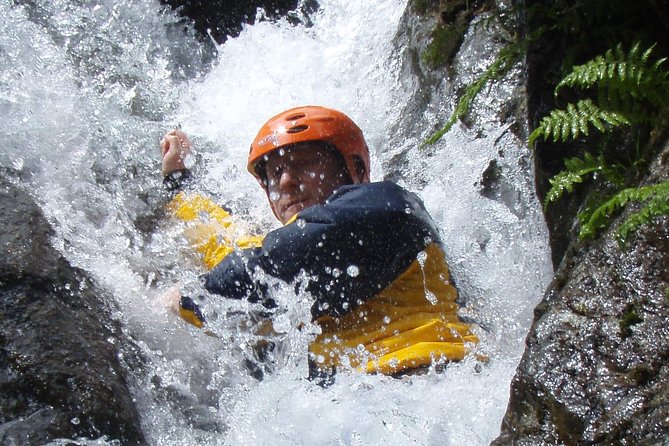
x=371, y=258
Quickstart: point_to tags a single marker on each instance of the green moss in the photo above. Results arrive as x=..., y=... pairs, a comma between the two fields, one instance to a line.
x=446, y=40
x=423, y=7
x=642, y=374
x=631, y=317
x=505, y=59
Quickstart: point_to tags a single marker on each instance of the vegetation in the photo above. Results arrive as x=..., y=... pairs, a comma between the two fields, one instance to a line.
x=629, y=318
x=507, y=56
x=631, y=90
x=616, y=99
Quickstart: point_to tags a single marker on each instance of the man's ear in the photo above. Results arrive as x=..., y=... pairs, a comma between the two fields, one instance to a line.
x=361, y=174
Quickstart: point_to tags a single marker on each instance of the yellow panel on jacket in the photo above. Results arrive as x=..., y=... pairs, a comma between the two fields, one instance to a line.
x=408, y=324
x=212, y=231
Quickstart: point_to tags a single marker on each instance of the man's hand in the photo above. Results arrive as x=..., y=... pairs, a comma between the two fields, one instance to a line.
x=174, y=148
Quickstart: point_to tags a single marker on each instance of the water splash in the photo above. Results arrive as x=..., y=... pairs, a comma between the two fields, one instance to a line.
x=87, y=90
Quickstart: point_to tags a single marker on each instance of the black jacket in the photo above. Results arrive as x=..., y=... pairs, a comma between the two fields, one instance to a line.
x=350, y=248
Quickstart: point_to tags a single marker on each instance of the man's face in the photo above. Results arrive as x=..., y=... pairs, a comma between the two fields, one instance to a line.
x=301, y=176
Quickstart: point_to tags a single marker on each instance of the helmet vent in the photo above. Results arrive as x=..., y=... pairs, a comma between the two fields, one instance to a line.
x=297, y=129
x=295, y=117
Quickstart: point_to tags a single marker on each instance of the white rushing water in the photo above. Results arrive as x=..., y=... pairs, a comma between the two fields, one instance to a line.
x=88, y=88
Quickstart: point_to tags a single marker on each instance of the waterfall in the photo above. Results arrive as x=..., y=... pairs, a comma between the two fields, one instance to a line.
x=88, y=88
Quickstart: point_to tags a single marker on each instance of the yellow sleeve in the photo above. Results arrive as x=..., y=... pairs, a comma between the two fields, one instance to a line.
x=211, y=229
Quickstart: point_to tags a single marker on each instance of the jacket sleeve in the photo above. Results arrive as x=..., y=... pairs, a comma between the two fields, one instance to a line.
x=210, y=229
x=351, y=247
x=177, y=180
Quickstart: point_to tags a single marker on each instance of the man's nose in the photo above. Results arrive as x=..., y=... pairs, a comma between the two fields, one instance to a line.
x=289, y=179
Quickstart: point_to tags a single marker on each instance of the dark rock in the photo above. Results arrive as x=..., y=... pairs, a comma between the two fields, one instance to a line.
x=596, y=370
x=61, y=373
x=223, y=18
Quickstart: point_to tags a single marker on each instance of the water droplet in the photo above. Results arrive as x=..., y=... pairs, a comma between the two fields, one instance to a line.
x=75, y=421
x=189, y=161
x=353, y=271
x=18, y=163
x=274, y=196
x=386, y=320
x=336, y=272
x=301, y=223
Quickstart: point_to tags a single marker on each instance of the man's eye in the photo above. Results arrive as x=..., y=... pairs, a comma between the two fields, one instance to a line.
x=274, y=175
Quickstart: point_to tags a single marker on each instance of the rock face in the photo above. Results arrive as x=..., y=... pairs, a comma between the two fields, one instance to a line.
x=595, y=366
x=60, y=372
x=596, y=370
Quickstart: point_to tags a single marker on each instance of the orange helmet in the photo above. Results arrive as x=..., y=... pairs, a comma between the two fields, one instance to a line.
x=311, y=123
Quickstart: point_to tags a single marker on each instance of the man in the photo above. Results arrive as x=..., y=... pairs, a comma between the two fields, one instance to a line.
x=368, y=253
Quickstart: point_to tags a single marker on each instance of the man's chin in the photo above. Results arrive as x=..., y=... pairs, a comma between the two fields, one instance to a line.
x=293, y=209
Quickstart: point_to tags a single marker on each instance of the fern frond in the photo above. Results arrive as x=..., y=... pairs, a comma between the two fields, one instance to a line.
x=599, y=218
x=562, y=125
x=576, y=170
x=656, y=207
x=622, y=76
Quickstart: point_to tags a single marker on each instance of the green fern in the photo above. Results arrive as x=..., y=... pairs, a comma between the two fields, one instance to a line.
x=656, y=207
x=656, y=196
x=576, y=169
x=564, y=125
x=622, y=79
x=616, y=71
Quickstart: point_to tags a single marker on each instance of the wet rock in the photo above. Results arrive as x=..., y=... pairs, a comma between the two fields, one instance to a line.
x=223, y=18
x=596, y=369
x=61, y=373
x=430, y=36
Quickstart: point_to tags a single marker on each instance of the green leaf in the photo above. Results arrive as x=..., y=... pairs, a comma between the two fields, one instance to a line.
x=623, y=76
x=564, y=125
x=658, y=205
x=599, y=218
x=576, y=170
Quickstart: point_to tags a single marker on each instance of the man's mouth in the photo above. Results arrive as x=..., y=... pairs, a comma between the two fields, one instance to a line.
x=298, y=202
